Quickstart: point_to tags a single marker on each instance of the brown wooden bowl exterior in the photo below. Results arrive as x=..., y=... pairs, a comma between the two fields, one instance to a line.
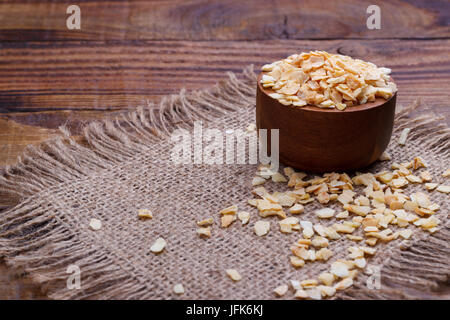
x=324, y=140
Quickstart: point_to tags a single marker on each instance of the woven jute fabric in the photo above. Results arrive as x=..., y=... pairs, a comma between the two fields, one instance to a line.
x=124, y=164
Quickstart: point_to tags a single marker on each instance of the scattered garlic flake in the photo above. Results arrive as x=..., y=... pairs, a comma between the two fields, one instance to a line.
x=301, y=294
x=281, y=290
x=288, y=171
x=443, y=189
x=327, y=291
x=158, y=246
x=339, y=269
x=262, y=228
x=233, y=274
x=178, y=288
x=278, y=177
x=342, y=215
x=384, y=156
x=325, y=213
x=403, y=136
x=426, y=176
x=383, y=202
x=204, y=232
x=258, y=181
x=227, y=220
x=244, y=216
x=251, y=127
x=360, y=263
x=295, y=284
x=296, y=262
x=326, y=278
x=314, y=294
x=406, y=234
x=95, y=224
x=296, y=209
x=205, y=222
x=344, y=284
x=287, y=224
x=430, y=186
x=145, y=214
x=230, y=210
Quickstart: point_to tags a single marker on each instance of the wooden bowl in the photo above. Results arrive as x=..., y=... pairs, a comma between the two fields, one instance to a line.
x=324, y=140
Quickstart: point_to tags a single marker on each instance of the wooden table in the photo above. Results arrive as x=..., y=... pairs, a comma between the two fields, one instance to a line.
x=128, y=52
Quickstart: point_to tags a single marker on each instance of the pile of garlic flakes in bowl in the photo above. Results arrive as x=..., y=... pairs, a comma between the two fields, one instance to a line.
x=326, y=80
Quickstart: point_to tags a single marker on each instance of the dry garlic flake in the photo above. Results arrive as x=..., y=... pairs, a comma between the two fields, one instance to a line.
x=426, y=176
x=95, y=224
x=262, y=228
x=145, y=214
x=204, y=232
x=446, y=173
x=227, y=220
x=281, y=290
x=443, y=189
x=403, y=136
x=258, y=181
x=233, y=274
x=297, y=209
x=205, y=222
x=325, y=213
x=244, y=216
x=178, y=288
x=158, y=246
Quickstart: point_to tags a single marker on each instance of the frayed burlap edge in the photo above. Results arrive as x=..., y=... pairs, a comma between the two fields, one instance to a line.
x=108, y=143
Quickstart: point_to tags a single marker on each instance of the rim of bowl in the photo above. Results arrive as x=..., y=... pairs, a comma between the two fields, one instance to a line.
x=361, y=107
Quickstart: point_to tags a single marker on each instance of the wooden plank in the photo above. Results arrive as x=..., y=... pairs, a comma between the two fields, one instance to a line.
x=222, y=20
x=15, y=285
x=121, y=75
x=14, y=137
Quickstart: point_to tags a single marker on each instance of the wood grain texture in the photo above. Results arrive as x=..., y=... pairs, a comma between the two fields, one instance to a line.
x=107, y=76
x=15, y=285
x=15, y=137
x=222, y=20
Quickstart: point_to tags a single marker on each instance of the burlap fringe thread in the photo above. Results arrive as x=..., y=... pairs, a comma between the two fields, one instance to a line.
x=27, y=230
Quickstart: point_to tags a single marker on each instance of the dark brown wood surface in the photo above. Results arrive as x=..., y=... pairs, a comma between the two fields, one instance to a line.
x=222, y=20
x=128, y=52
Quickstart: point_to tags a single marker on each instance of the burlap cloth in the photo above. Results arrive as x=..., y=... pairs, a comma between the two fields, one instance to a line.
x=124, y=165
